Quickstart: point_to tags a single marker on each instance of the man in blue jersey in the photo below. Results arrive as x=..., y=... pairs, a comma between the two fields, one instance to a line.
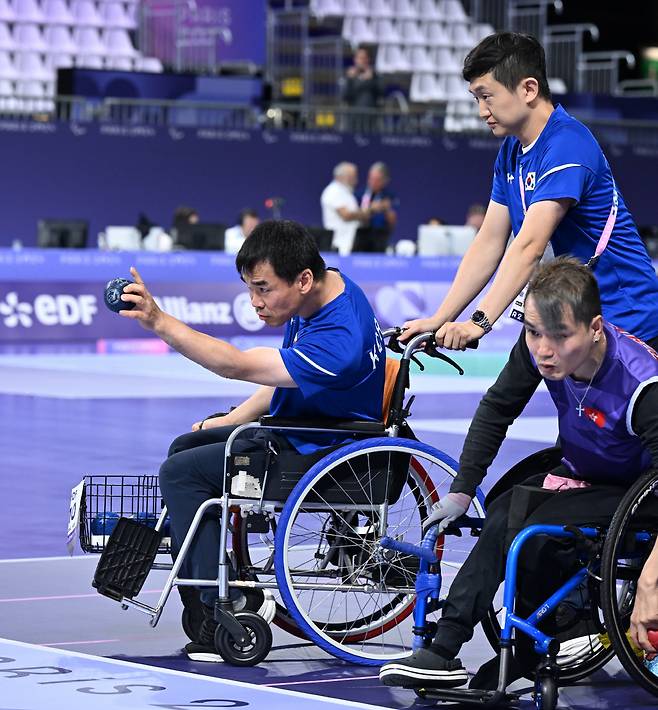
x=331, y=364
x=604, y=383
x=551, y=183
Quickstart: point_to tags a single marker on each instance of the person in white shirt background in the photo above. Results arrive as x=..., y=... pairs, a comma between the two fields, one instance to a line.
x=234, y=236
x=340, y=209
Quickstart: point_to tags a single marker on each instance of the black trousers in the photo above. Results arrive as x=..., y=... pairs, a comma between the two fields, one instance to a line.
x=541, y=571
x=192, y=473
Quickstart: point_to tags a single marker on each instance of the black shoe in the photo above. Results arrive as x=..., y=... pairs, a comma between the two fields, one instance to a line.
x=424, y=668
x=204, y=648
x=192, y=617
x=487, y=674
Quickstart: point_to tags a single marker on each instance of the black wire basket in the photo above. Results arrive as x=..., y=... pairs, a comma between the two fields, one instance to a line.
x=106, y=499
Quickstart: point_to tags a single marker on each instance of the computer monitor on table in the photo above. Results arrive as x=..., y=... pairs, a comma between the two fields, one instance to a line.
x=62, y=233
x=368, y=239
x=323, y=237
x=201, y=236
x=444, y=239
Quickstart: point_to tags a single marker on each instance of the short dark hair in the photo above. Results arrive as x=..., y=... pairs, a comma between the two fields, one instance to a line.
x=510, y=57
x=565, y=283
x=247, y=212
x=286, y=245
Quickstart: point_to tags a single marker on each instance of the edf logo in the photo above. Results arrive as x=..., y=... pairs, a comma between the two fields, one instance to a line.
x=48, y=310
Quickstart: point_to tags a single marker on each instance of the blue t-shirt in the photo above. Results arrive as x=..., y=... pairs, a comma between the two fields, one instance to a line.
x=566, y=162
x=337, y=359
x=378, y=219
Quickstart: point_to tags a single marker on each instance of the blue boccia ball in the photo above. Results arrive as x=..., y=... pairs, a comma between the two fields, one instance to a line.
x=113, y=292
x=104, y=523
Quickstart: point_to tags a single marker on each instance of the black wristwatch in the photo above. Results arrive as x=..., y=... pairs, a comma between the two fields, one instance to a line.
x=479, y=318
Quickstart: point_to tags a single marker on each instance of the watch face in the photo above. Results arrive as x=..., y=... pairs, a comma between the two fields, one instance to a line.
x=478, y=315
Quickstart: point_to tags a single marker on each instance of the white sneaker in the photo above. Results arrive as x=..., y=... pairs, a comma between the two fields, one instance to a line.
x=577, y=649
x=260, y=601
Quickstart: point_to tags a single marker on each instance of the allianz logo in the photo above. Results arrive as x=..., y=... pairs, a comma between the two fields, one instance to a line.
x=196, y=312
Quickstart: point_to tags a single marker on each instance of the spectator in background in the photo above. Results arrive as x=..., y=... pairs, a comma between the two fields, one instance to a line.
x=475, y=216
x=435, y=222
x=362, y=87
x=183, y=216
x=235, y=236
x=381, y=203
x=340, y=210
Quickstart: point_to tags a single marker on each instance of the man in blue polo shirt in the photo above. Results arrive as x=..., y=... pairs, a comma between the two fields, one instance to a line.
x=331, y=364
x=551, y=183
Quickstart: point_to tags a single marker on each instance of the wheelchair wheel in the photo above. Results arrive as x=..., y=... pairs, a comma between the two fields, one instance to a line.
x=347, y=594
x=629, y=540
x=260, y=641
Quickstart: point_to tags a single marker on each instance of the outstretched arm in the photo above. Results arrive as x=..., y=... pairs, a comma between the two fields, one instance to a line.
x=263, y=366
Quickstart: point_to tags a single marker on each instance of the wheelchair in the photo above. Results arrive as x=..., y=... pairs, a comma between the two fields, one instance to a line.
x=611, y=562
x=630, y=538
x=309, y=533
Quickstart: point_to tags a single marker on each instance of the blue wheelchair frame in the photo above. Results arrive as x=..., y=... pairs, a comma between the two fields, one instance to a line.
x=428, y=586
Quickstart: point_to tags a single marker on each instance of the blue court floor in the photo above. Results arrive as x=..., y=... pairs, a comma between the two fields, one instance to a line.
x=67, y=416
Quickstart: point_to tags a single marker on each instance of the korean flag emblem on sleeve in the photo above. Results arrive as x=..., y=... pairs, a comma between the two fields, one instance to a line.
x=530, y=181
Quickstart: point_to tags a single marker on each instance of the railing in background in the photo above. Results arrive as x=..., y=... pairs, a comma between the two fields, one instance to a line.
x=455, y=118
x=598, y=72
x=564, y=49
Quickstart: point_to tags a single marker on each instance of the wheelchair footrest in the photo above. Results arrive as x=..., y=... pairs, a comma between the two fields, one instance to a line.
x=126, y=560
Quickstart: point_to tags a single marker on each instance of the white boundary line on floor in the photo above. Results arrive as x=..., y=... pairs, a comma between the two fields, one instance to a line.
x=168, y=671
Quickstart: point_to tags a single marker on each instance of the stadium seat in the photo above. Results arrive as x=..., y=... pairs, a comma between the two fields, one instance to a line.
x=392, y=58
x=56, y=12
x=59, y=60
x=327, y=8
x=28, y=11
x=406, y=9
x=31, y=68
x=358, y=30
x=7, y=13
x=386, y=31
x=85, y=14
x=89, y=41
x=7, y=43
x=381, y=8
x=28, y=39
x=436, y=34
x=425, y=87
x=453, y=11
x=90, y=61
x=114, y=15
x=412, y=33
x=428, y=10
x=421, y=60
x=118, y=43
x=59, y=40
x=7, y=67
x=356, y=8
x=445, y=62
x=149, y=64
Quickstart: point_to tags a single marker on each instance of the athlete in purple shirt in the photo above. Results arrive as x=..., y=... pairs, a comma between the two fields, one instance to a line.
x=604, y=383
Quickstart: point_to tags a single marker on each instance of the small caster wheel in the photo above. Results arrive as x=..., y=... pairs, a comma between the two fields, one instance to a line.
x=545, y=692
x=259, y=645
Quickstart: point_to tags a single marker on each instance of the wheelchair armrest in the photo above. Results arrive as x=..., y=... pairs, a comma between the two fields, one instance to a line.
x=328, y=423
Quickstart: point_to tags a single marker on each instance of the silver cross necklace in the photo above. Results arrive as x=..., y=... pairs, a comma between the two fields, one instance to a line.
x=580, y=409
